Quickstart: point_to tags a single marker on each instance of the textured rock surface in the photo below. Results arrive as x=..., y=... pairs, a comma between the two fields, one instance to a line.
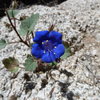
x=78, y=76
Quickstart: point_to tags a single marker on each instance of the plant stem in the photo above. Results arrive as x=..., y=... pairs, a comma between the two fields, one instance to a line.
x=32, y=34
x=28, y=39
x=27, y=36
x=51, y=28
x=15, y=19
x=25, y=42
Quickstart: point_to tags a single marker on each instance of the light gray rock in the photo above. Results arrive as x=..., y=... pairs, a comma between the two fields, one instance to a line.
x=79, y=22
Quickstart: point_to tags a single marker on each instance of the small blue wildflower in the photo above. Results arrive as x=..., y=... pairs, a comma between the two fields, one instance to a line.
x=48, y=46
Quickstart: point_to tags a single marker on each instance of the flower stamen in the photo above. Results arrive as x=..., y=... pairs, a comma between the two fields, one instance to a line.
x=47, y=45
x=55, y=47
x=46, y=40
x=42, y=42
x=54, y=53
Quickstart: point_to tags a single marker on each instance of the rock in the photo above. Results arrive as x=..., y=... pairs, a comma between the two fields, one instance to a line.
x=1, y=97
x=76, y=77
x=6, y=4
x=63, y=78
x=55, y=74
x=98, y=37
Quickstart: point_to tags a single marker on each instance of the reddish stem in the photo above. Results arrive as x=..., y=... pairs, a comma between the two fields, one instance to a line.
x=25, y=42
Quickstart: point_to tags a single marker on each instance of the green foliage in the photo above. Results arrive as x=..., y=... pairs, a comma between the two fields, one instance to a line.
x=30, y=64
x=27, y=25
x=2, y=43
x=67, y=51
x=12, y=13
x=52, y=64
x=11, y=64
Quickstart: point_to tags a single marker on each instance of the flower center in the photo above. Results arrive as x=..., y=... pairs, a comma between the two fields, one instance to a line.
x=47, y=45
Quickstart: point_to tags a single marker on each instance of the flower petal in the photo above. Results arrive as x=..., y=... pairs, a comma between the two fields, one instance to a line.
x=59, y=50
x=55, y=36
x=48, y=57
x=36, y=51
x=40, y=35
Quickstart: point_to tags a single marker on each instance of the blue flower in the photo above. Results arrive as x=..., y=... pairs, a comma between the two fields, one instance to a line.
x=48, y=46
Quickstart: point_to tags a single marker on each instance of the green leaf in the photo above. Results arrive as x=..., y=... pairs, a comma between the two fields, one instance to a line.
x=52, y=64
x=22, y=32
x=67, y=53
x=2, y=43
x=67, y=50
x=27, y=25
x=30, y=64
x=13, y=13
x=11, y=64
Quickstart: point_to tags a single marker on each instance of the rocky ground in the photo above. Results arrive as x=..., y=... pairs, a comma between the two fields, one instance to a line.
x=78, y=76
